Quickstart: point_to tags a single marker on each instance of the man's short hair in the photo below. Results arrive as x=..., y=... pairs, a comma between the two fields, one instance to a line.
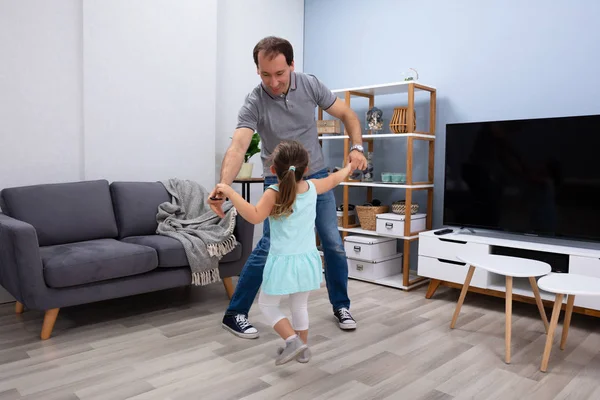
x=273, y=46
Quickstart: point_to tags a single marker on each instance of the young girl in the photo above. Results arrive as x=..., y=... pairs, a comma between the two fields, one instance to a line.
x=293, y=265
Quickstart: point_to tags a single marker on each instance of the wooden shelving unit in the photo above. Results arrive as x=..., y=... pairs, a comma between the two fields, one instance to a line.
x=406, y=280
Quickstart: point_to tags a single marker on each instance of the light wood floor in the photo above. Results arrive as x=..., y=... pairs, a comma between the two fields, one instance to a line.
x=170, y=345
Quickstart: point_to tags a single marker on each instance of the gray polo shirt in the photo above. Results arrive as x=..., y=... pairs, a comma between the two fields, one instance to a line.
x=287, y=117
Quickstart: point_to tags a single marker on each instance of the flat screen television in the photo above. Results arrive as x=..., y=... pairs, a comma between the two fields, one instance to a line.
x=532, y=176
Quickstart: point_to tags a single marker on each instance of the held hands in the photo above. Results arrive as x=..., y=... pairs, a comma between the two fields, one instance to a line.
x=358, y=160
x=223, y=190
x=347, y=170
x=217, y=198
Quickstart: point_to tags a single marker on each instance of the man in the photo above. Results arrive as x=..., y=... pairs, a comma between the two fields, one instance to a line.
x=283, y=107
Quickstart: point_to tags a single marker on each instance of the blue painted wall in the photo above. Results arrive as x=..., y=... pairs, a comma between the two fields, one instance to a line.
x=489, y=60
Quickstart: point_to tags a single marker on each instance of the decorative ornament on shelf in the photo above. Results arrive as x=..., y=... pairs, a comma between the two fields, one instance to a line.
x=399, y=122
x=374, y=120
x=247, y=167
x=410, y=75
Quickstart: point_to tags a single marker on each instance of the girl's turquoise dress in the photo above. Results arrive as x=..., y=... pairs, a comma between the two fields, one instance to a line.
x=294, y=263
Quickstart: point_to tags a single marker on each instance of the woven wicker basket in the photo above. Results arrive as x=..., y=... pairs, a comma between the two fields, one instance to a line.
x=367, y=216
x=351, y=217
x=399, y=207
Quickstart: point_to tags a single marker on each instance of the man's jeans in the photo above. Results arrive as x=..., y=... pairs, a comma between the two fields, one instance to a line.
x=336, y=265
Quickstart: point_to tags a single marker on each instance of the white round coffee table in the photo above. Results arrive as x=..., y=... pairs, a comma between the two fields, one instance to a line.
x=510, y=267
x=571, y=285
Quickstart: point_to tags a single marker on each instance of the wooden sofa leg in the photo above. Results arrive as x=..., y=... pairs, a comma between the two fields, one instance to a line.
x=228, y=283
x=19, y=308
x=48, y=325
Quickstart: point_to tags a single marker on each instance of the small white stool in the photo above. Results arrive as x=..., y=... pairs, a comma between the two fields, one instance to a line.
x=511, y=267
x=571, y=285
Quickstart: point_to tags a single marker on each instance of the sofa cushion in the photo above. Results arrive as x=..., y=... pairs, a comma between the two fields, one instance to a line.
x=63, y=212
x=93, y=261
x=171, y=252
x=136, y=205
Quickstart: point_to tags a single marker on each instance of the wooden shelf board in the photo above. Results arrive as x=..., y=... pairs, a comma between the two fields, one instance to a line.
x=383, y=89
x=380, y=136
x=395, y=281
x=387, y=185
x=361, y=231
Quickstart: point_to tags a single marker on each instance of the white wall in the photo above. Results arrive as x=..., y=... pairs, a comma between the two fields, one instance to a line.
x=40, y=92
x=111, y=89
x=149, y=98
x=241, y=24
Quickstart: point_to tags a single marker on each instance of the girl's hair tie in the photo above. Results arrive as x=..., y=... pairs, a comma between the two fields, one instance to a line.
x=292, y=168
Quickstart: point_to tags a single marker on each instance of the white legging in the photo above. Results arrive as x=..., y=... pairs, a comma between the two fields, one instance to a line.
x=269, y=305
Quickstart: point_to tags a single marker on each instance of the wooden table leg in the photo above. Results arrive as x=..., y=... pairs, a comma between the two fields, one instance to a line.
x=433, y=285
x=538, y=301
x=463, y=293
x=19, y=308
x=567, y=321
x=508, y=324
x=550, y=337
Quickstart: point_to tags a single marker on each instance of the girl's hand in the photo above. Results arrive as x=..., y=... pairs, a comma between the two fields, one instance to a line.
x=347, y=169
x=223, y=190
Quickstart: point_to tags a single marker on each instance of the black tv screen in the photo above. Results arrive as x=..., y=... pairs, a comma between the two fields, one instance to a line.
x=531, y=176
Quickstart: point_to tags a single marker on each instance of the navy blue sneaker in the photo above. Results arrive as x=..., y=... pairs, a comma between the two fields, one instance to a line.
x=239, y=325
x=344, y=318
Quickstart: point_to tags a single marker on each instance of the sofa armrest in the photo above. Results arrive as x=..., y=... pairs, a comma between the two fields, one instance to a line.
x=244, y=233
x=21, y=269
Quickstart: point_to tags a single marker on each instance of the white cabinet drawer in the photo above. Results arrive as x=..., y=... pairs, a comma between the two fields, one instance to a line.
x=584, y=266
x=451, y=271
x=590, y=267
x=447, y=248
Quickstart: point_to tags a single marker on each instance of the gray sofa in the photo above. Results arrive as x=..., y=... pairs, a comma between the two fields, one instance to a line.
x=74, y=243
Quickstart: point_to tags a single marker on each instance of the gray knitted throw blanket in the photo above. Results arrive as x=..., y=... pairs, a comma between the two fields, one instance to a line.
x=188, y=218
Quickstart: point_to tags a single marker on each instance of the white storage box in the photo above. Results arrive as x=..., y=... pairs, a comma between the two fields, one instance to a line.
x=369, y=248
x=393, y=224
x=377, y=269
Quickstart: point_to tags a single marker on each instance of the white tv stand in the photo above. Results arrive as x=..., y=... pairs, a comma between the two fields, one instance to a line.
x=437, y=260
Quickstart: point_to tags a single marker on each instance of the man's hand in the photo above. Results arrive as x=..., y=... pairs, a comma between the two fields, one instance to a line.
x=215, y=201
x=358, y=160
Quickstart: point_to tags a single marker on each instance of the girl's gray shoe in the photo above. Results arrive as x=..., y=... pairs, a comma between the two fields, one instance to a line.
x=303, y=357
x=291, y=350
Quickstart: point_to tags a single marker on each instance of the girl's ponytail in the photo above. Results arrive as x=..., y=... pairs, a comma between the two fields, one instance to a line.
x=290, y=161
x=287, y=193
